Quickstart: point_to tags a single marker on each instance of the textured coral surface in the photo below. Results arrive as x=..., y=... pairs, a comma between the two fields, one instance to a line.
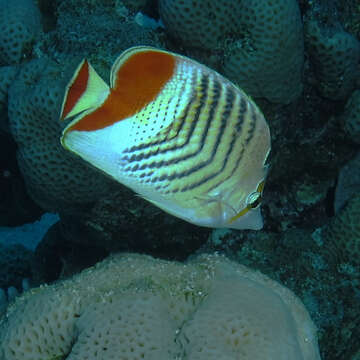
x=298, y=59
x=136, y=307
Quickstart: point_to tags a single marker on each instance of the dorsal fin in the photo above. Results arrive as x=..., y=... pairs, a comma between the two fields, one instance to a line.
x=86, y=90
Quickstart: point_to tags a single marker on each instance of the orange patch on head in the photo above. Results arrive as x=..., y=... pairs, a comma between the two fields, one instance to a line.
x=138, y=81
x=76, y=89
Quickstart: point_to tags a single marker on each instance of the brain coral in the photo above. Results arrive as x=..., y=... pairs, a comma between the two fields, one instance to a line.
x=267, y=60
x=20, y=25
x=136, y=307
x=54, y=179
x=262, y=41
x=335, y=55
x=200, y=23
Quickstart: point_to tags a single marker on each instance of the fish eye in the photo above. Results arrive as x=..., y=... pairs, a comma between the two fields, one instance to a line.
x=253, y=200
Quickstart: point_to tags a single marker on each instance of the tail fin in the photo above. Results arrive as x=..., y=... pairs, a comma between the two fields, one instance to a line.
x=85, y=90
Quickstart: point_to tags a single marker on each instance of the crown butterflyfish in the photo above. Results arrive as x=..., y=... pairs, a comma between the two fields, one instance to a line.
x=176, y=132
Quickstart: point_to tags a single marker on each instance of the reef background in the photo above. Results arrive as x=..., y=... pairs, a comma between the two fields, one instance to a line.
x=299, y=60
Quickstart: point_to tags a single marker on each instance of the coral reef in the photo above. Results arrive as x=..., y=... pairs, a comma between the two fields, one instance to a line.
x=20, y=26
x=140, y=307
x=267, y=59
x=262, y=41
x=121, y=221
x=301, y=260
x=351, y=117
x=54, y=179
x=8, y=296
x=349, y=14
x=100, y=31
x=7, y=76
x=200, y=24
x=3, y=302
x=348, y=183
x=335, y=54
x=15, y=265
x=343, y=232
x=306, y=245
x=16, y=207
x=57, y=257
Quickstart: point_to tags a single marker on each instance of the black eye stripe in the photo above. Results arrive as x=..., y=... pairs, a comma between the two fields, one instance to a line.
x=256, y=203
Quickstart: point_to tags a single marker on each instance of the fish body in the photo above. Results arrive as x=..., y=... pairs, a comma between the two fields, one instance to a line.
x=174, y=131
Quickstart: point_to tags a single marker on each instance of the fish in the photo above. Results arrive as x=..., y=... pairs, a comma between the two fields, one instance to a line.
x=176, y=132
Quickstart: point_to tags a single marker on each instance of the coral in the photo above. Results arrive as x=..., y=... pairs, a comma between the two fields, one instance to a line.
x=54, y=179
x=135, y=306
x=20, y=26
x=349, y=13
x=15, y=262
x=335, y=55
x=200, y=24
x=348, y=183
x=103, y=28
x=267, y=60
x=262, y=41
x=351, y=117
x=16, y=207
x=60, y=182
x=120, y=220
x=309, y=192
x=3, y=302
x=12, y=292
x=55, y=257
x=342, y=234
x=7, y=76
